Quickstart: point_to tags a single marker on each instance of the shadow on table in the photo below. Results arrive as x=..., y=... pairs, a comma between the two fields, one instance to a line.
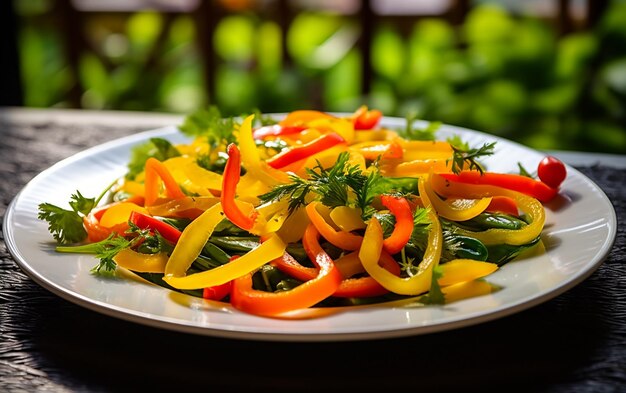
x=540, y=347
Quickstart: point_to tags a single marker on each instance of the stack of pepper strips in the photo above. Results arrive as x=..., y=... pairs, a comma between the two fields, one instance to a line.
x=323, y=254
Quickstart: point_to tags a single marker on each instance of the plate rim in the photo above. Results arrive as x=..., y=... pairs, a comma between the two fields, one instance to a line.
x=174, y=325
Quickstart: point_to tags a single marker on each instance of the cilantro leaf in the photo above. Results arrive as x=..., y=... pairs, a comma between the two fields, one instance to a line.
x=210, y=124
x=66, y=226
x=80, y=204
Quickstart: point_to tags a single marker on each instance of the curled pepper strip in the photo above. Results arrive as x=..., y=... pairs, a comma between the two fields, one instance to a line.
x=368, y=286
x=454, y=209
x=414, y=285
x=267, y=251
x=341, y=239
x=229, y=188
x=247, y=299
x=306, y=150
x=403, y=229
x=154, y=170
x=251, y=159
x=349, y=287
x=531, y=206
x=525, y=185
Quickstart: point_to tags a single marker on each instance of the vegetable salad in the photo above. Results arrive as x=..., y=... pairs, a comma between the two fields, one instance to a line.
x=312, y=211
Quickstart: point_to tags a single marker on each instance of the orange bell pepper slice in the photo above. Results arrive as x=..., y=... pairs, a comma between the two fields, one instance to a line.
x=243, y=297
x=154, y=170
x=342, y=239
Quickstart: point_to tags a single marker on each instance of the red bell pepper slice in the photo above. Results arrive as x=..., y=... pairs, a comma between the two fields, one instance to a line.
x=276, y=130
x=510, y=181
x=365, y=119
x=243, y=297
x=289, y=265
x=306, y=150
x=403, y=229
x=231, y=176
x=217, y=292
x=143, y=221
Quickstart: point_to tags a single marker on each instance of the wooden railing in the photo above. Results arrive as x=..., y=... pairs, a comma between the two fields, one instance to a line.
x=73, y=16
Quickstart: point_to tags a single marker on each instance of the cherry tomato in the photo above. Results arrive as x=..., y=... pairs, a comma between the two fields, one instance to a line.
x=551, y=171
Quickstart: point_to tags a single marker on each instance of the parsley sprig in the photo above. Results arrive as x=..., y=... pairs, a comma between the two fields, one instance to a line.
x=65, y=225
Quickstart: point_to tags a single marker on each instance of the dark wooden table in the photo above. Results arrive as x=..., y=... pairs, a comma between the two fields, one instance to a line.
x=575, y=342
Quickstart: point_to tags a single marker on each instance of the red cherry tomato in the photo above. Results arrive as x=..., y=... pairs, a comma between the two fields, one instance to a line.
x=551, y=171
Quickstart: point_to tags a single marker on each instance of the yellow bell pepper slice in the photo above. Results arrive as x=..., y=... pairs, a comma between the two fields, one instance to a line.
x=413, y=168
x=139, y=262
x=466, y=290
x=119, y=213
x=347, y=218
x=251, y=158
x=192, y=240
x=456, y=209
x=267, y=251
x=461, y=270
x=294, y=226
x=343, y=127
x=531, y=206
x=189, y=207
x=371, y=248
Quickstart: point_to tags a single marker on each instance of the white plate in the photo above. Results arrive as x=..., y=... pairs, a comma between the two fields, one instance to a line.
x=580, y=230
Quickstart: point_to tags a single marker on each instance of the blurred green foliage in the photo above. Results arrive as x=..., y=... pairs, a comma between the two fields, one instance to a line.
x=507, y=75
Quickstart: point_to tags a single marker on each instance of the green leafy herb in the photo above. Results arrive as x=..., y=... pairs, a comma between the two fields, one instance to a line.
x=159, y=148
x=66, y=226
x=261, y=119
x=104, y=250
x=457, y=141
x=419, y=134
x=434, y=295
x=210, y=124
x=331, y=185
x=523, y=171
x=462, y=156
x=209, y=163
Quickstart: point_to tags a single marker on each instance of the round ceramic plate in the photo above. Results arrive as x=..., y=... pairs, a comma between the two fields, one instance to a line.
x=579, y=232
